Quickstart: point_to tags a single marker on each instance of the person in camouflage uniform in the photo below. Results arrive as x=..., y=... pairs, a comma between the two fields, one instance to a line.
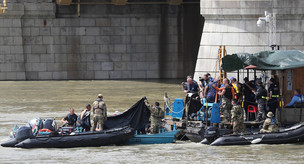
x=100, y=112
x=227, y=95
x=270, y=124
x=157, y=114
x=237, y=117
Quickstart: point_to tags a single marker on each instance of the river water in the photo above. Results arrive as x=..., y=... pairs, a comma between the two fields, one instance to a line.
x=23, y=100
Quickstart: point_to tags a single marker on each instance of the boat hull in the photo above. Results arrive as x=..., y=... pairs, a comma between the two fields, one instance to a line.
x=161, y=138
x=90, y=139
x=294, y=134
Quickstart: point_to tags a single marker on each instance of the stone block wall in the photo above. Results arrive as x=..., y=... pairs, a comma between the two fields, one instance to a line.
x=42, y=41
x=233, y=23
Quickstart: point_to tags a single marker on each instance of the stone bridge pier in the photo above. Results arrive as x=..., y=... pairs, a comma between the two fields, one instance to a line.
x=40, y=40
x=234, y=23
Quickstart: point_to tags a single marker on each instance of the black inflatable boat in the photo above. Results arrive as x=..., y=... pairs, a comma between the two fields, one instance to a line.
x=293, y=134
x=107, y=137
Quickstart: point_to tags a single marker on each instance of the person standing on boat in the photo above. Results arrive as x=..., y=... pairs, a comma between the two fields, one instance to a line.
x=157, y=114
x=261, y=96
x=270, y=125
x=84, y=118
x=71, y=119
x=191, y=86
x=249, y=97
x=210, y=91
x=100, y=112
x=236, y=86
x=274, y=94
x=227, y=95
x=237, y=116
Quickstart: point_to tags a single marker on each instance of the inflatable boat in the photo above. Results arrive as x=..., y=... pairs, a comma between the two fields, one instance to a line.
x=25, y=139
x=293, y=134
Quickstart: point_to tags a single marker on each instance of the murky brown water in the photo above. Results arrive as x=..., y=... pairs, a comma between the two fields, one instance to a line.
x=21, y=101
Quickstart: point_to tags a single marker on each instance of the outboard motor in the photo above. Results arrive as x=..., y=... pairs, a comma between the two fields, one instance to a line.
x=50, y=124
x=35, y=124
x=211, y=133
x=23, y=133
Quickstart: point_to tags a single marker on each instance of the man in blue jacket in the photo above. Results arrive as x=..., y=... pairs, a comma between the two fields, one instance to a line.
x=297, y=98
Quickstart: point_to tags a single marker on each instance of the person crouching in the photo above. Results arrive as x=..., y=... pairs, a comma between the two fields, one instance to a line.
x=270, y=125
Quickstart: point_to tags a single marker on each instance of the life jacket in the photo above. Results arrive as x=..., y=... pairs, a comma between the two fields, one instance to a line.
x=273, y=121
x=72, y=119
x=228, y=93
x=192, y=87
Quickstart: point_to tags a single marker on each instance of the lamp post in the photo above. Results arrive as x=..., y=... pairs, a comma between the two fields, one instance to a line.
x=3, y=8
x=270, y=18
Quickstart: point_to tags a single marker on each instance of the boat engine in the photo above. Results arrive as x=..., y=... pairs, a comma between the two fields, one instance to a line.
x=50, y=124
x=211, y=133
x=23, y=133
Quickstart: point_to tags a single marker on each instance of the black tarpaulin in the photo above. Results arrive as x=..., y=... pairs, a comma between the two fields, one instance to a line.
x=136, y=117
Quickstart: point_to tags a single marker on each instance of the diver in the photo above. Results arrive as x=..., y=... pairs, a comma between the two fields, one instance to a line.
x=84, y=118
x=71, y=119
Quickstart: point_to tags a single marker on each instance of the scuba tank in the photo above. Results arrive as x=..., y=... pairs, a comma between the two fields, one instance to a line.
x=35, y=124
x=50, y=124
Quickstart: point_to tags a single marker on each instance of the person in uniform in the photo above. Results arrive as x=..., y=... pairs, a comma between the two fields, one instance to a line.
x=237, y=117
x=71, y=119
x=249, y=97
x=157, y=114
x=226, y=101
x=274, y=94
x=84, y=118
x=100, y=112
x=270, y=124
x=261, y=95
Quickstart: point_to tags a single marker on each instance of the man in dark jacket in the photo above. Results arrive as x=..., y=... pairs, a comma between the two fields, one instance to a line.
x=274, y=94
x=261, y=95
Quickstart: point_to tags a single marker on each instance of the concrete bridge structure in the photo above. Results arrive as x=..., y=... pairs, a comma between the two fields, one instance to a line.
x=40, y=40
x=234, y=23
